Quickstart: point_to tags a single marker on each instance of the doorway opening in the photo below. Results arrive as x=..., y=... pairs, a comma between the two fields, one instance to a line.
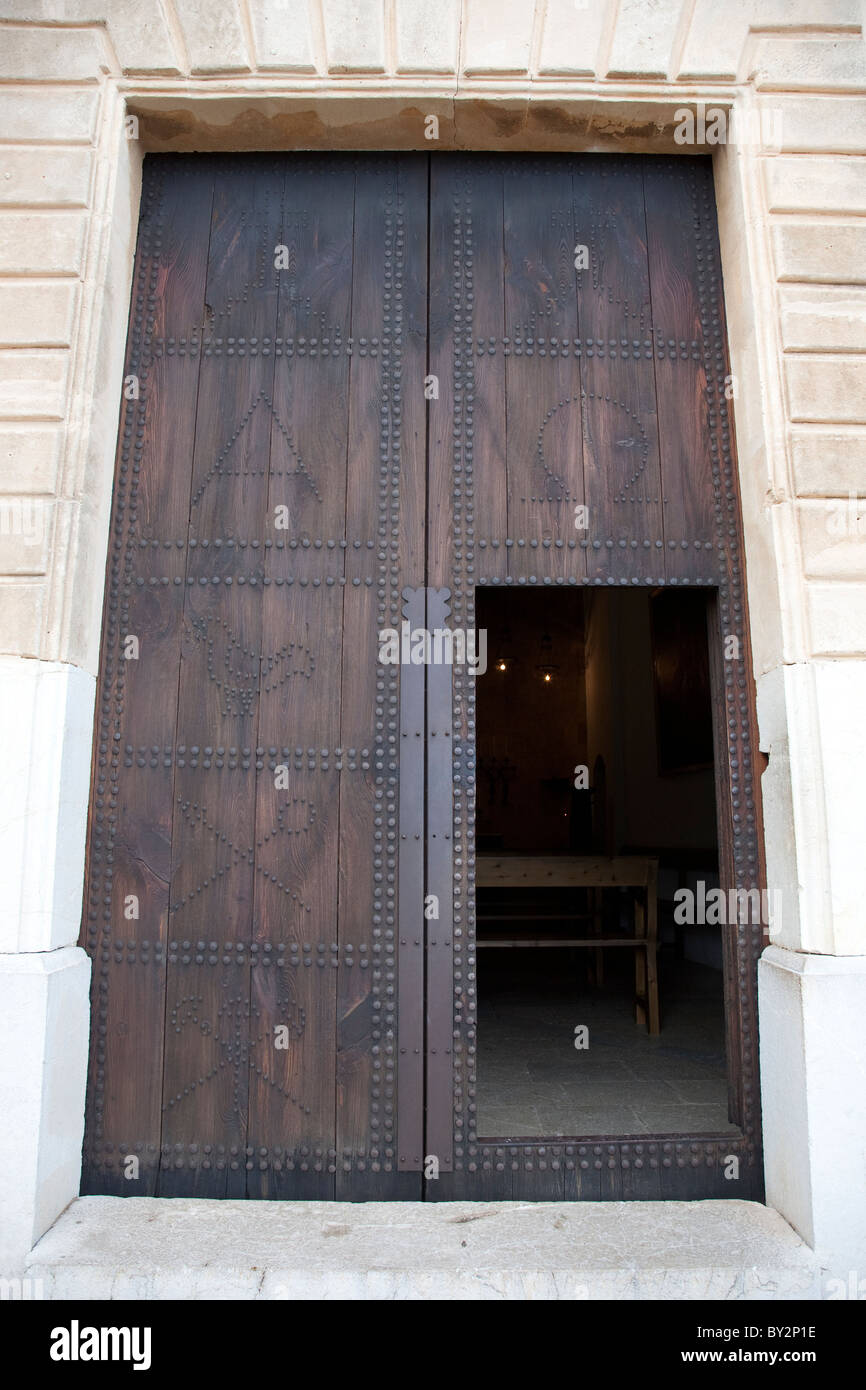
x=600, y=975
x=290, y=817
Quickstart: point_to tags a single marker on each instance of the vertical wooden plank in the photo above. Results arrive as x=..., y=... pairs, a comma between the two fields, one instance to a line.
x=447, y=280
x=451, y=570
x=487, y=1176
x=294, y=976
x=541, y=1175
x=129, y=860
x=385, y=520
x=640, y=1173
x=360, y=1055
x=621, y=458
x=544, y=434
x=487, y=338
x=411, y=901
x=212, y=1034
x=681, y=347
x=444, y=872
x=745, y=761
x=727, y=868
x=294, y=970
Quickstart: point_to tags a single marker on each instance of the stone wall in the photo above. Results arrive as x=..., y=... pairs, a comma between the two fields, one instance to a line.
x=562, y=74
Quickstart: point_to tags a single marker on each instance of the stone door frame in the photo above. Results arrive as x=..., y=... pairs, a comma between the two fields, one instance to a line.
x=157, y=114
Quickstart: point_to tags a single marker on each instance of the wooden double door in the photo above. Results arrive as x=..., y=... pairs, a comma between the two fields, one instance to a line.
x=357, y=387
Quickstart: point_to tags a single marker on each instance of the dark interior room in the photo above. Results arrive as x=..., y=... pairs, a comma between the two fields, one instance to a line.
x=595, y=795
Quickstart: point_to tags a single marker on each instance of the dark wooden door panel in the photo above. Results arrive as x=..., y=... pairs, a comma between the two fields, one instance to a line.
x=127, y=899
x=269, y=509
x=324, y=434
x=577, y=331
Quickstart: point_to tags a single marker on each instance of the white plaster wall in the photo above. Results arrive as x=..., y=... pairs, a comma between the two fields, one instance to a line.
x=46, y=713
x=499, y=74
x=811, y=1010
x=43, y=1062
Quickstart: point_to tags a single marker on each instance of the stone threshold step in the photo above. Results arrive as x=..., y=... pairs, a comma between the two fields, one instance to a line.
x=149, y=1248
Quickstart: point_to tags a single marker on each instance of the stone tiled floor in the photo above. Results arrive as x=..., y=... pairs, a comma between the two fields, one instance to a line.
x=533, y=1081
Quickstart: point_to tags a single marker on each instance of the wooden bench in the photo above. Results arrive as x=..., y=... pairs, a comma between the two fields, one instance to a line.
x=636, y=872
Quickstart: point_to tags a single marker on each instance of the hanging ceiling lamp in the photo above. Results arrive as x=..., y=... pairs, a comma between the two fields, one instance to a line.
x=505, y=660
x=546, y=667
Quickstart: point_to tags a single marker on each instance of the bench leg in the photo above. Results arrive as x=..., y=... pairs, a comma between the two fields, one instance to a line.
x=595, y=957
x=652, y=989
x=598, y=926
x=598, y=967
x=640, y=964
x=651, y=952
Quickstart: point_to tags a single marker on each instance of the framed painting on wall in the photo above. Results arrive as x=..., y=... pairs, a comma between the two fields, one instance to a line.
x=681, y=681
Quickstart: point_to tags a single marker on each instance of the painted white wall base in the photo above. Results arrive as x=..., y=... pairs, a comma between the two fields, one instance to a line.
x=44, y=1013
x=813, y=1076
x=46, y=735
x=151, y=1248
